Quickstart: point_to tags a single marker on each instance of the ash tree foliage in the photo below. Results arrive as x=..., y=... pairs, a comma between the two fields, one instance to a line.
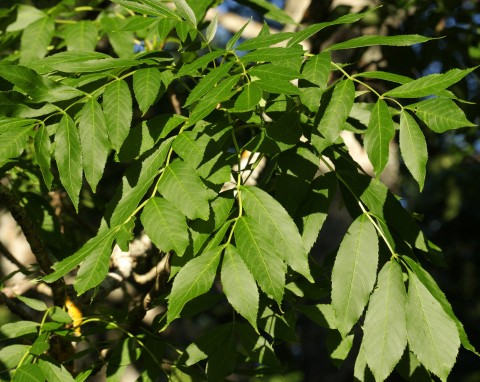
x=73, y=113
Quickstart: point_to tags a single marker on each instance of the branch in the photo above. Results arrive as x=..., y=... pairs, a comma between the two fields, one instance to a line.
x=38, y=247
x=15, y=308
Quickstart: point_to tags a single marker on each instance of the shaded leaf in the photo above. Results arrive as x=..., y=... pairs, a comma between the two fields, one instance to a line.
x=42, y=154
x=277, y=86
x=432, y=335
x=379, y=133
x=55, y=373
x=272, y=72
x=94, y=140
x=385, y=333
x=354, y=273
x=248, y=98
x=136, y=182
x=413, y=147
x=212, y=28
x=165, y=225
x=262, y=260
x=19, y=328
x=194, y=279
x=68, y=155
x=233, y=41
x=33, y=303
x=11, y=355
x=239, y=285
x=201, y=62
x=14, y=133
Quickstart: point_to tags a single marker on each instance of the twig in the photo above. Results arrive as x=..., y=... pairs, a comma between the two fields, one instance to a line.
x=15, y=308
x=9, y=256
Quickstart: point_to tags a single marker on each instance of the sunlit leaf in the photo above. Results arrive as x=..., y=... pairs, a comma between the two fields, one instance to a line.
x=385, y=333
x=81, y=36
x=146, y=85
x=413, y=147
x=379, y=133
x=42, y=154
x=369, y=40
x=117, y=106
x=354, y=273
x=35, y=40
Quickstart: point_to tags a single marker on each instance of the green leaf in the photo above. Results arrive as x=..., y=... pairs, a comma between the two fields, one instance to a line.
x=117, y=106
x=10, y=356
x=68, y=156
x=282, y=232
x=14, y=133
x=272, y=54
x=317, y=69
x=194, y=279
x=440, y=114
x=354, y=273
x=385, y=333
x=161, y=9
x=428, y=85
x=369, y=40
x=33, y=303
x=35, y=40
x=208, y=82
x=432, y=334
x=185, y=11
x=248, y=98
x=96, y=65
x=322, y=314
x=314, y=209
x=57, y=314
x=335, y=115
x=136, y=23
x=379, y=133
x=220, y=93
x=42, y=154
x=19, y=328
x=26, y=14
x=212, y=28
x=277, y=87
x=386, y=76
x=94, y=269
x=136, y=182
x=264, y=41
x=231, y=43
x=315, y=28
x=92, y=246
x=239, y=285
x=29, y=373
x=182, y=186
x=273, y=72
x=55, y=373
x=165, y=225
x=413, y=147
x=94, y=140
x=39, y=88
x=146, y=85
x=201, y=62
x=261, y=258
x=436, y=292
x=81, y=36
x=49, y=64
